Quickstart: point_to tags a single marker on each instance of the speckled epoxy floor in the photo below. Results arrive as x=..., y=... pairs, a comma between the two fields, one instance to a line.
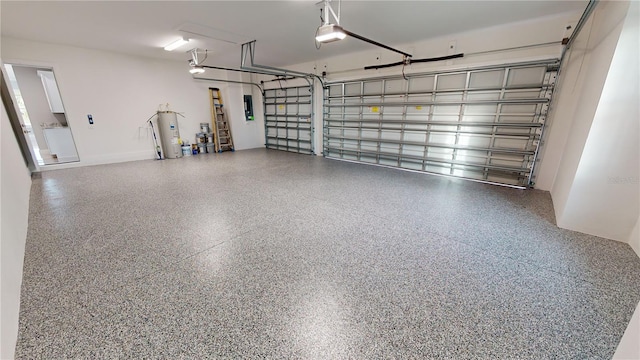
x=266, y=254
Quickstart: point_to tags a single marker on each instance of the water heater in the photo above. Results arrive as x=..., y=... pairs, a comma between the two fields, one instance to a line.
x=169, y=134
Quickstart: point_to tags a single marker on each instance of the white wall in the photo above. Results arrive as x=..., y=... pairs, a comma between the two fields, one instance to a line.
x=15, y=184
x=582, y=77
x=634, y=238
x=594, y=137
x=629, y=347
x=605, y=196
x=122, y=92
x=246, y=134
x=258, y=105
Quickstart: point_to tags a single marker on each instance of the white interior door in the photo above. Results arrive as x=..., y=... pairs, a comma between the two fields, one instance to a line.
x=42, y=115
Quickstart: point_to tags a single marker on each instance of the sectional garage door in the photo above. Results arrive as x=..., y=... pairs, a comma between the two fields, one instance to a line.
x=287, y=114
x=480, y=123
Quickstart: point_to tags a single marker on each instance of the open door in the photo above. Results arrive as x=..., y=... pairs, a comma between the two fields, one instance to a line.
x=41, y=114
x=19, y=131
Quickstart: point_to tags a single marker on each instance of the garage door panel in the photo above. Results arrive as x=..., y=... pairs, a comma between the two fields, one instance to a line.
x=527, y=76
x=484, y=95
x=351, y=89
x=478, y=118
x=421, y=83
x=413, y=150
x=479, y=110
x=390, y=135
x=369, y=134
x=521, y=144
x=369, y=146
x=482, y=124
x=372, y=87
x=486, y=79
x=529, y=109
x=421, y=98
x=416, y=137
x=439, y=153
x=411, y=164
x=451, y=110
x=441, y=139
x=473, y=140
x=520, y=94
x=449, y=97
x=451, y=81
x=288, y=118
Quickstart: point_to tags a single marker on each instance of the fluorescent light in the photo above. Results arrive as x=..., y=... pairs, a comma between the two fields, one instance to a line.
x=329, y=33
x=176, y=44
x=197, y=69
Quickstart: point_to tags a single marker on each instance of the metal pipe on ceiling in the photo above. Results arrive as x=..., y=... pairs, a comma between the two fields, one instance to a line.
x=281, y=79
x=249, y=49
x=231, y=81
x=237, y=70
x=258, y=72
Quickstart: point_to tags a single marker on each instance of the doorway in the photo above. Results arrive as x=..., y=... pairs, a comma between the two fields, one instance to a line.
x=42, y=114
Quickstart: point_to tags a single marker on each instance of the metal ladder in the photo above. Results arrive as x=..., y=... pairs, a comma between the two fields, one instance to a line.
x=221, y=130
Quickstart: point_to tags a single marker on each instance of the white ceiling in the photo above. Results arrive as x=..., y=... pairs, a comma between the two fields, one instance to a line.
x=284, y=30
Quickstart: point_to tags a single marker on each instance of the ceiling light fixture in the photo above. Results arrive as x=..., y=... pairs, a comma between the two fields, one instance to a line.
x=176, y=44
x=196, y=61
x=329, y=32
x=196, y=69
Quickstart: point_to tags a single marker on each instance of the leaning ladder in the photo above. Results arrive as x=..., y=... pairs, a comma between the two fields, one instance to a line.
x=221, y=130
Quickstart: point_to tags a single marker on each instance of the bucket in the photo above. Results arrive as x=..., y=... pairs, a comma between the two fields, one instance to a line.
x=186, y=150
x=210, y=148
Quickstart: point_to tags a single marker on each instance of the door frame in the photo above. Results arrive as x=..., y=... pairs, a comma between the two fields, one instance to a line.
x=25, y=139
x=17, y=124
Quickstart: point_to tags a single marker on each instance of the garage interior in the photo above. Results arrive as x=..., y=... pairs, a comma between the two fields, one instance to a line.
x=443, y=180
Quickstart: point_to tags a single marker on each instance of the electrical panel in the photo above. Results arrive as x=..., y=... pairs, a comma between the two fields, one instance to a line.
x=248, y=108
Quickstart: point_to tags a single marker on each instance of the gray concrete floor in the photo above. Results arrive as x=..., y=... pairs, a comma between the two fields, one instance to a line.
x=267, y=254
